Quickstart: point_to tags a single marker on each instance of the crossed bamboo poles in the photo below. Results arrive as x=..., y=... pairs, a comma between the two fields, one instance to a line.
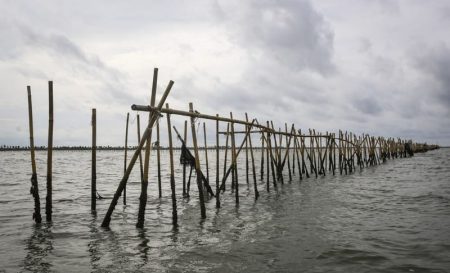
x=321, y=152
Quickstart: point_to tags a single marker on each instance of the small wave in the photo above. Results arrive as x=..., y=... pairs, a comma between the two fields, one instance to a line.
x=351, y=255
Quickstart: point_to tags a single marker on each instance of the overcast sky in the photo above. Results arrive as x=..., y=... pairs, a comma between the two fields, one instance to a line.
x=380, y=66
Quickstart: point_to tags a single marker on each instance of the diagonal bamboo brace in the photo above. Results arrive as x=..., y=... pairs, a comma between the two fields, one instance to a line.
x=145, y=136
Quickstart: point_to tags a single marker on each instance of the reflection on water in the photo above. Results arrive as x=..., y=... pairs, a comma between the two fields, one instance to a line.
x=38, y=247
x=390, y=218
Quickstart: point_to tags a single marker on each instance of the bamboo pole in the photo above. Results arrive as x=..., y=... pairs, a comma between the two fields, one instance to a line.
x=267, y=162
x=197, y=165
x=287, y=152
x=226, y=154
x=158, y=158
x=262, y=157
x=125, y=160
x=172, y=173
x=34, y=190
x=141, y=167
x=293, y=152
x=234, y=159
x=184, y=165
x=206, y=153
x=217, y=165
x=255, y=185
x=246, y=158
x=296, y=148
x=230, y=169
x=93, y=161
x=146, y=138
x=269, y=146
x=49, y=199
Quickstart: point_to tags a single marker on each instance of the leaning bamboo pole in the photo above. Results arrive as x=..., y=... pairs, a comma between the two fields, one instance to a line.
x=123, y=182
x=197, y=165
x=184, y=165
x=172, y=173
x=206, y=152
x=141, y=167
x=34, y=190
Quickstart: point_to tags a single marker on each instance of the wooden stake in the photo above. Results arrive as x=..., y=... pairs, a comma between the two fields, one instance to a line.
x=93, y=161
x=34, y=190
x=197, y=165
x=172, y=172
x=48, y=199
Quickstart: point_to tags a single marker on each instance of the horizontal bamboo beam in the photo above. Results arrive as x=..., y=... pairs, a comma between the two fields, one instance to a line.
x=148, y=108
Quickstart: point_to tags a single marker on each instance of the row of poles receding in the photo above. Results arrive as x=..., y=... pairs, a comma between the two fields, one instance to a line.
x=312, y=154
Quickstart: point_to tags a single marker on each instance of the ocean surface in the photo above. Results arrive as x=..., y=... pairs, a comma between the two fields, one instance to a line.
x=394, y=217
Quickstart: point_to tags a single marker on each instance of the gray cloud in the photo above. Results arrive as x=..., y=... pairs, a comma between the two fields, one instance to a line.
x=319, y=64
x=436, y=63
x=290, y=32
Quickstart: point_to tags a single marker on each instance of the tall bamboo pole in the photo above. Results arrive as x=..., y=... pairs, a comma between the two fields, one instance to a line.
x=147, y=138
x=172, y=173
x=226, y=154
x=158, y=158
x=125, y=159
x=93, y=161
x=34, y=190
x=141, y=167
x=287, y=152
x=246, y=160
x=255, y=185
x=184, y=165
x=197, y=165
x=206, y=153
x=234, y=159
x=267, y=163
x=262, y=157
x=48, y=199
x=217, y=165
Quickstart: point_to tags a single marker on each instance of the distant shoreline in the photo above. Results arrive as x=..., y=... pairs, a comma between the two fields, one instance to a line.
x=99, y=148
